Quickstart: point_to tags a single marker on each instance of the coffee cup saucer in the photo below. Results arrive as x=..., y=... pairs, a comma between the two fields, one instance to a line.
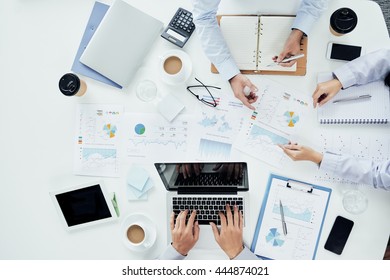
x=147, y=224
x=187, y=64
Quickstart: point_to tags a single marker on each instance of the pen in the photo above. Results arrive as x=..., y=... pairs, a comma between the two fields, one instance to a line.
x=287, y=59
x=284, y=225
x=365, y=96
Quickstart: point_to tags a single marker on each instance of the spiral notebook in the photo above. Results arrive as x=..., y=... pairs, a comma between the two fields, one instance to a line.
x=372, y=110
x=253, y=41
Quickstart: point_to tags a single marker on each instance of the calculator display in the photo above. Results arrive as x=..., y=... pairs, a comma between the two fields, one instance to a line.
x=176, y=35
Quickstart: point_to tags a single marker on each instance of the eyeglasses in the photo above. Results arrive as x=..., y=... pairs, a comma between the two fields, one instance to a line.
x=208, y=103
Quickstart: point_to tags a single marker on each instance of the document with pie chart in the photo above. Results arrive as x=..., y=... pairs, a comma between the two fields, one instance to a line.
x=304, y=208
x=279, y=115
x=97, y=140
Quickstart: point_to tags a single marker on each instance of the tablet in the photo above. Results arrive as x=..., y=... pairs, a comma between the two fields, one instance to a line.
x=83, y=205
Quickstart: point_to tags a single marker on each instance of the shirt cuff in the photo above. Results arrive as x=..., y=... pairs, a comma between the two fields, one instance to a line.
x=329, y=162
x=304, y=21
x=246, y=254
x=345, y=76
x=170, y=253
x=227, y=69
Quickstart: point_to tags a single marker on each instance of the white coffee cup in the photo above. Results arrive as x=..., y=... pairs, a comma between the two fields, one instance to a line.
x=175, y=67
x=137, y=235
x=138, y=232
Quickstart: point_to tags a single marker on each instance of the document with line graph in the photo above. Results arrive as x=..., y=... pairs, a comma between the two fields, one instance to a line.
x=303, y=207
x=97, y=140
x=279, y=114
x=148, y=136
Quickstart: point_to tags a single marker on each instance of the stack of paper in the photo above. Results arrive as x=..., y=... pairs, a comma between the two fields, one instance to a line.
x=138, y=183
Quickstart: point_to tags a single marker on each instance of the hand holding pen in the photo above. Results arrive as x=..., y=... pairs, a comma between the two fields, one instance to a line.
x=286, y=60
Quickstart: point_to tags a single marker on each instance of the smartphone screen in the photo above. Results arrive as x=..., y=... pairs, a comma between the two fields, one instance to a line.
x=345, y=52
x=338, y=235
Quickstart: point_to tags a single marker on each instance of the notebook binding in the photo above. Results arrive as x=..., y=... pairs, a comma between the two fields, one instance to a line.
x=353, y=121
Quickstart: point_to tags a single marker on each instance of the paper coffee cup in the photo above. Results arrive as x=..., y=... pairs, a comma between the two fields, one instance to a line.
x=343, y=21
x=71, y=85
x=175, y=67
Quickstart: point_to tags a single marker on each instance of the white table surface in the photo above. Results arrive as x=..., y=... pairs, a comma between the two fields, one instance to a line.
x=39, y=40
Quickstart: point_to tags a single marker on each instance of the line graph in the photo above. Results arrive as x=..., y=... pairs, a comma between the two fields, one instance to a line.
x=148, y=136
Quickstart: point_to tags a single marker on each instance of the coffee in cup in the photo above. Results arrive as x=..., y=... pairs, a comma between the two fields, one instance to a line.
x=135, y=234
x=343, y=21
x=173, y=65
x=71, y=85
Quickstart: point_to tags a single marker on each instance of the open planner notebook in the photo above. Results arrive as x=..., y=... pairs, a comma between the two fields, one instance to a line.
x=373, y=110
x=254, y=40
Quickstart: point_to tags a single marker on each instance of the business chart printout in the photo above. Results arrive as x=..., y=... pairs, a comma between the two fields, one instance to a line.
x=148, y=136
x=304, y=213
x=97, y=140
x=279, y=115
x=218, y=127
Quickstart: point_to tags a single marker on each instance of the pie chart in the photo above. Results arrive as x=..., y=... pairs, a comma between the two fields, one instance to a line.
x=291, y=118
x=273, y=238
x=139, y=129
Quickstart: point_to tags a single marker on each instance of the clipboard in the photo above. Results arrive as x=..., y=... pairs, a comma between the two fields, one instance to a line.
x=301, y=63
x=304, y=207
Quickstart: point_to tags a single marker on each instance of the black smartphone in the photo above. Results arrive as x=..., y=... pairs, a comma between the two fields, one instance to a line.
x=338, y=235
x=343, y=52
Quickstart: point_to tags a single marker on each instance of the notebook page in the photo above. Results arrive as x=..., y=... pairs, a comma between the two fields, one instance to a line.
x=274, y=31
x=240, y=33
x=370, y=110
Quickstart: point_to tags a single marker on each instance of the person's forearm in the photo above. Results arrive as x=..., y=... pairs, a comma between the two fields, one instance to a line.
x=358, y=171
x=308, y=13
x=367, y=68
x=213, y=43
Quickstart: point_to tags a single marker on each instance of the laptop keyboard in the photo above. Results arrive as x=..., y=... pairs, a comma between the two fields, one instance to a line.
x=207, y=179
x=207, y=208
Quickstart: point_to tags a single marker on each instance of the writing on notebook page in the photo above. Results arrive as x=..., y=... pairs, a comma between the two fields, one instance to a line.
x=255, y=40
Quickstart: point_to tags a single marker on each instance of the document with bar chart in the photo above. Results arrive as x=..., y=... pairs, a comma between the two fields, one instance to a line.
x=303, y=206
x=97, y=140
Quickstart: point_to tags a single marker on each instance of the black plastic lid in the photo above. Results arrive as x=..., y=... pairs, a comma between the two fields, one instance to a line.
x=69, y=84
x=343, y=20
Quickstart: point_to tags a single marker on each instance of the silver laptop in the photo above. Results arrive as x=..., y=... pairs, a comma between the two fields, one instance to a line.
x=206, y=188
x=121, y=42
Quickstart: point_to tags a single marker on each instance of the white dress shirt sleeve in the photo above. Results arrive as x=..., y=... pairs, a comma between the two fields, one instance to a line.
x=357, y=170
x=246, y=254
x=308, y=13
x=213, y=43
x=170, y=253
x=367, y=68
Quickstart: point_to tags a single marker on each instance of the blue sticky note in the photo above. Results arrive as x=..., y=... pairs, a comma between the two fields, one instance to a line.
x=98, y=12
x=137, y=177
x=131, y=196
x=137, y=193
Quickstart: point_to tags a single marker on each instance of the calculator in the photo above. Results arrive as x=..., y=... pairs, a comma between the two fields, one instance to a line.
x=180, y=28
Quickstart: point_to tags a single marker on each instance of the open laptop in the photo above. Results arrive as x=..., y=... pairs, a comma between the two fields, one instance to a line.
x=207, y=188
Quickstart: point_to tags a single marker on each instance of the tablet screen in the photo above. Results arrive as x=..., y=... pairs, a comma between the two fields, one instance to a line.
x=83, y=205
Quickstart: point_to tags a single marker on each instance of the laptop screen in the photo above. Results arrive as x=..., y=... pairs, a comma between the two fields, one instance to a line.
x=204, y=176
